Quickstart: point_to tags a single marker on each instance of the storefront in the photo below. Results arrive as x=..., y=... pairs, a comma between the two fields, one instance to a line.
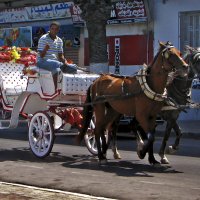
x=21, y=26
x=129, y=37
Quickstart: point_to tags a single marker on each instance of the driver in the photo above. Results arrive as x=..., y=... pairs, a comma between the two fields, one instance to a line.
x=50, y=48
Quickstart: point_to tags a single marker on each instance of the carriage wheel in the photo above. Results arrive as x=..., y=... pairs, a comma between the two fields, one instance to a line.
x=89, y=138
x=41, y=134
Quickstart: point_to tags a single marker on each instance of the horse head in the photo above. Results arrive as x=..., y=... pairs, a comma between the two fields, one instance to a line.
x=192, y=57
x=172, y=60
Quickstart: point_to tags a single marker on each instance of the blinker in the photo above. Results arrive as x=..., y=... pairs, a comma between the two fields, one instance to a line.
x=166, y=54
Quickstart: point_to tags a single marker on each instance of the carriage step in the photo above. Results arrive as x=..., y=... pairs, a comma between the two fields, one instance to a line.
x=5, y=123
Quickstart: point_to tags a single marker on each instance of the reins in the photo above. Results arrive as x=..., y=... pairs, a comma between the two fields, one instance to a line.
x=105, y=98
x=141, y=77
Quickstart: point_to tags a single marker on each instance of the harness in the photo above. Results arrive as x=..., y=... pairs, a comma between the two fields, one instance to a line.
x=141, y=77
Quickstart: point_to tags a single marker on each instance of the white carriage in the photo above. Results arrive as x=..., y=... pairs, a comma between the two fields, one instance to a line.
x=48, y=106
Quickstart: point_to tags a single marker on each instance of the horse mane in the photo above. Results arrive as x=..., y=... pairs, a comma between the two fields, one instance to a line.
x=157, y=54
x=117, y=76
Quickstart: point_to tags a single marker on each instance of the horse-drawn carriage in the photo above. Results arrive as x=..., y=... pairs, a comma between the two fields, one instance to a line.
x=52, y=106
x=49, y=107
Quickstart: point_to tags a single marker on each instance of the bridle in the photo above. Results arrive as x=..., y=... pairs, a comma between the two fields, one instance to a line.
x=193, y=60
x=143, y=73
x=166, y=55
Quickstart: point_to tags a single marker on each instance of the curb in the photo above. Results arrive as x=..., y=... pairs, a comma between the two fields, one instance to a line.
x=17, y=191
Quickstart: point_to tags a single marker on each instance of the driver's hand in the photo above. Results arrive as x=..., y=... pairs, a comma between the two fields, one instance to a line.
x=46, y=47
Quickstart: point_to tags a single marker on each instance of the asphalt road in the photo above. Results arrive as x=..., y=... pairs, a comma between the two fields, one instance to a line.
x=72, y=168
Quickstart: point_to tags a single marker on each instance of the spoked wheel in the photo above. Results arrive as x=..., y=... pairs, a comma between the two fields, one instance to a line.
x=90, y=140
x=41, y=134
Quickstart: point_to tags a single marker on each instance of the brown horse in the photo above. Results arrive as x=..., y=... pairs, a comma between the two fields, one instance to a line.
x=141, y=96
x=179, y=89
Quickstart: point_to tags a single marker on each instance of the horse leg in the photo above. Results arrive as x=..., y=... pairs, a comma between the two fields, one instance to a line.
x=151, y=158
x=175, y=146
x=143, y=146
x=168, y=129
x=104, y=144
x=116, y=154
x=99, y=131
x=107, y=123
x=141, y=134
x=145, y=131
x=101, y=155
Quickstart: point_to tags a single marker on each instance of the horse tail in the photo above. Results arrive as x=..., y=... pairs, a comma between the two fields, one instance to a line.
x=87, y=116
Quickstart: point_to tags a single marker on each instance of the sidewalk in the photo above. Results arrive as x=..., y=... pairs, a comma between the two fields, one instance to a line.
x=189, y=128
x=9, y=191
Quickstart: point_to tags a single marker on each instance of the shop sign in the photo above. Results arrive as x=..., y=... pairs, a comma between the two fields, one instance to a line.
x=13, y=15
x=76, y=16
x=49, y=11
x=43, y=12
x=127, y=12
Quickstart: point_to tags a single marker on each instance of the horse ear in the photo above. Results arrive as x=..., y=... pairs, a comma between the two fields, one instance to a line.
x=190, y=49
x=161, y=44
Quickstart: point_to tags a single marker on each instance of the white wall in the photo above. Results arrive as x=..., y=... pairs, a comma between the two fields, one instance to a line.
x=123, y=29
x=166, y=28
x=126, y=29
x=166, y=19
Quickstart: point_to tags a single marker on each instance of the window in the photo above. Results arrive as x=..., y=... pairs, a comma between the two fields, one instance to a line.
x=189, y=29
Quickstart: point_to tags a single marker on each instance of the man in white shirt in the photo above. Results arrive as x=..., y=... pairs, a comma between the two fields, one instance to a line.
x=50, y=49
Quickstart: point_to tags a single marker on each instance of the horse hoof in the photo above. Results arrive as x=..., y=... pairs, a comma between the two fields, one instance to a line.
x=154, y=162
x=116, y=156
x=171, y=150
x=164, y=160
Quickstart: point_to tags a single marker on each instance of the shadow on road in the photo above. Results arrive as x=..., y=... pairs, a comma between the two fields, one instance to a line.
x=120, y=167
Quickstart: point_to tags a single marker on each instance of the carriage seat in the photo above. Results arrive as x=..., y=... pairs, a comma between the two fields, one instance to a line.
x=11, y=82
x=77, y=83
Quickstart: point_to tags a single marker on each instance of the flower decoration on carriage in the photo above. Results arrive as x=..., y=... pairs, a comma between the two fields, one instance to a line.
x=14, y=54
x=5, y=54
x=21, y=55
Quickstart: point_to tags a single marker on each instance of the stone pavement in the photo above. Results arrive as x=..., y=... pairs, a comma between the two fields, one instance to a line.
x=9, y=191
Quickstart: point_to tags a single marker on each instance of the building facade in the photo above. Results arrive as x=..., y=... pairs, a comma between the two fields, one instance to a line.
x=133, y=32
x=178, y=21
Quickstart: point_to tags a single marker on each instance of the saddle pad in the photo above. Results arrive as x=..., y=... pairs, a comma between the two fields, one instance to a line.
x=77, y=83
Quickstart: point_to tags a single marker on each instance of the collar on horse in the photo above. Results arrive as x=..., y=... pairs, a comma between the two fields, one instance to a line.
x=141, y=77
